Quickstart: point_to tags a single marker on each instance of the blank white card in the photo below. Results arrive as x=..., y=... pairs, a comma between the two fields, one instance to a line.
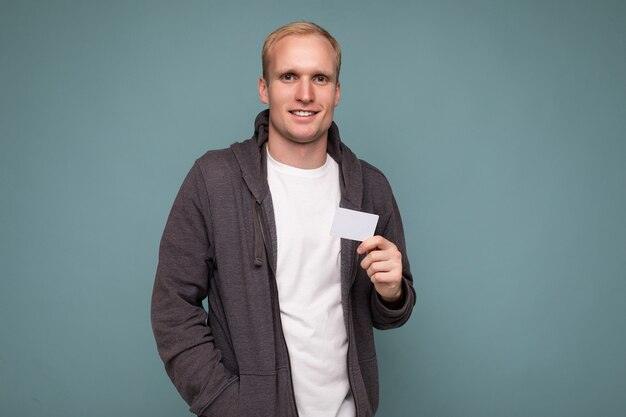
x=354, y=225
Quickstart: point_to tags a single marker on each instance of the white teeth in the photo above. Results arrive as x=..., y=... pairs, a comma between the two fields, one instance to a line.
x=303, y=113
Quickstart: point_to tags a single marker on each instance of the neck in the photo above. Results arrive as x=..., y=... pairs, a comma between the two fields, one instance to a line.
x=298, y=155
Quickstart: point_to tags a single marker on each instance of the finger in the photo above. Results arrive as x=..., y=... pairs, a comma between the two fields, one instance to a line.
x=381, y=267
x=385, y=280
x=373, y=256
x=381, y=256
x=374, y=242
x=394, y=257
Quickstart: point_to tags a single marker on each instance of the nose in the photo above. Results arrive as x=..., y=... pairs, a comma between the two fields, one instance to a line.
x=305, y=92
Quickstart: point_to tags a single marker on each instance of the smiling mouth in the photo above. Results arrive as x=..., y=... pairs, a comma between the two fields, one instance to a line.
x=302, y=113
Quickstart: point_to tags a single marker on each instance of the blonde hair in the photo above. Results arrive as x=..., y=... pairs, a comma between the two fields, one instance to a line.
x=298, y=28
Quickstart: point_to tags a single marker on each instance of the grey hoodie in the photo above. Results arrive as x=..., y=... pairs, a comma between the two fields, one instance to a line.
x=220, y=242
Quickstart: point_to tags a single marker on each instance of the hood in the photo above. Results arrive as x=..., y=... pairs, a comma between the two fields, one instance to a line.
x=252, y=161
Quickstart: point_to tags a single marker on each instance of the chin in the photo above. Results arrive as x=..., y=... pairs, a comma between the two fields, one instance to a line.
x=303, y=141
x=304, y=138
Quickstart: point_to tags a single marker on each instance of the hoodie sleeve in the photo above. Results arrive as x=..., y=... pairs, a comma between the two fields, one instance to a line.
x=383, y=315
x=179, y=320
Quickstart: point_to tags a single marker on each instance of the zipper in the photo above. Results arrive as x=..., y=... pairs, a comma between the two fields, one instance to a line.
x=276, y=303
x=282, y=338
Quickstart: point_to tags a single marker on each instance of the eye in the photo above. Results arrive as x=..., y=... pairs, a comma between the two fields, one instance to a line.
x=320, y=79
x=287, y=77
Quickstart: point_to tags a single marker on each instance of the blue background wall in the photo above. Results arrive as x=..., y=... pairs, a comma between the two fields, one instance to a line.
x=500, y=124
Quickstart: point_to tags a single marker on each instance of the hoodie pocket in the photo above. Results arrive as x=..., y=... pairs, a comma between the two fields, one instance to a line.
x=265, y=395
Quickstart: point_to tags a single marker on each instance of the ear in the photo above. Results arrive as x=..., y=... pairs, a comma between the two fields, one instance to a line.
x=337, y=93
x=263, y=95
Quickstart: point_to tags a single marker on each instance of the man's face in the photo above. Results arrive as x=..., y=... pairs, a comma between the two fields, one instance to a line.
x=302, y=89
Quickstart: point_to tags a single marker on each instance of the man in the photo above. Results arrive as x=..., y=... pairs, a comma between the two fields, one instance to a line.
x=291, y=308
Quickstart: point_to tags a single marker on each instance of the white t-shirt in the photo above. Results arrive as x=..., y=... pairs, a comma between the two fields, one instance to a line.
x=308, y=276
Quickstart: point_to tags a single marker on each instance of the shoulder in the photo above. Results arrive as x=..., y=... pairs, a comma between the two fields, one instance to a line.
x=373, y=178
x=215, y=158
x=218, y=164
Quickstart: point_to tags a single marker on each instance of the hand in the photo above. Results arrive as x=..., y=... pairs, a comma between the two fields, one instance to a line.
x=383, y=264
